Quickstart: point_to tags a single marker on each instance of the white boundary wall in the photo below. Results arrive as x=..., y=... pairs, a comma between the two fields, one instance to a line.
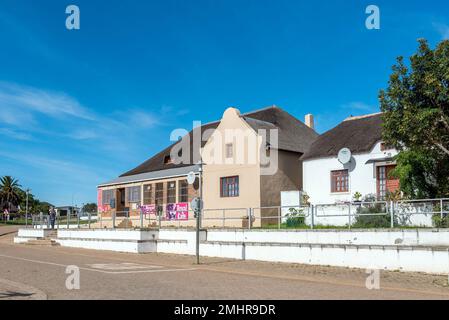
x=414, y=237
x=401, y=258
x=403, y=250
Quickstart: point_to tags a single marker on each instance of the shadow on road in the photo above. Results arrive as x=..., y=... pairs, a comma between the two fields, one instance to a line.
x=12, y=294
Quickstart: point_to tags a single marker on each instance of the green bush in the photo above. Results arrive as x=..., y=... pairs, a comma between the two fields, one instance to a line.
x=295, y=219
x=365, y=221
x=440, y=222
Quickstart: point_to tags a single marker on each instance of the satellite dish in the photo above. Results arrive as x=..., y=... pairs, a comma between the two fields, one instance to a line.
x=191, y=177
x=344, y=156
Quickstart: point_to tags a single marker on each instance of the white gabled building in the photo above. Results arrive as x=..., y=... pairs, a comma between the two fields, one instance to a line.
x=328, y=181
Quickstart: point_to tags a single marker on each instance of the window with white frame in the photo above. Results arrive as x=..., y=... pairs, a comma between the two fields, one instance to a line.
x=133, y=194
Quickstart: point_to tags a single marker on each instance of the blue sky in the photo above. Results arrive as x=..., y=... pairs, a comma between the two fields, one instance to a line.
x=80, y=107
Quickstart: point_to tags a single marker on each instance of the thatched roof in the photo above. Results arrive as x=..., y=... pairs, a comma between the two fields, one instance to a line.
x=294, y=136
x=359, y=134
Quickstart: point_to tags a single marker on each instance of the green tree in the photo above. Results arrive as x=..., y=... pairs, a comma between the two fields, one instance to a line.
x=9, y=192
x=43, y=207
x=416, y=120
x=90, y=207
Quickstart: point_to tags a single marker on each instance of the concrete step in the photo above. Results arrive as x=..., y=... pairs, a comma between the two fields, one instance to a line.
x=125, y=224
x=42, y=242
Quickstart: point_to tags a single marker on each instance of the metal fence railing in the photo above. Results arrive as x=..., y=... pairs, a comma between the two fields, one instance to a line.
x=376, y=214
x=68, y=221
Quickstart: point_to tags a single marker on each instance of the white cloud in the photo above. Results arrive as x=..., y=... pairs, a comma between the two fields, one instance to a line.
x=10, y=116
x=28, y=99
x=360, y=106
x=83, y=134
x=442, y=29
x=142, y=119
x=57, y=114
x=15, y=134
x=57, y=167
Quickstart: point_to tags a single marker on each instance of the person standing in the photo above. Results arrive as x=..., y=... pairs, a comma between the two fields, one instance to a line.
x=5, y=215
x=52, y=217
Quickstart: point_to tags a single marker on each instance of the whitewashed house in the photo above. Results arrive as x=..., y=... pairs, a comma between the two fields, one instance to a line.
x=328, y=181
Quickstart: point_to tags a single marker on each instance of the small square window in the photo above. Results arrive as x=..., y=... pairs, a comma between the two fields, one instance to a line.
x=339, y=181
x=229, y=187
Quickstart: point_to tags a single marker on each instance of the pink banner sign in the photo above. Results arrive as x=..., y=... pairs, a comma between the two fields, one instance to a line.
x=177, y=211
x=148, y=209
x=182, y=211
x=100, y=200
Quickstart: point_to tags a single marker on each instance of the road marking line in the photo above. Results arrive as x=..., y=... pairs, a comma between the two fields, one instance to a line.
x=121, y=266
x=68, y=251
x=94, y=270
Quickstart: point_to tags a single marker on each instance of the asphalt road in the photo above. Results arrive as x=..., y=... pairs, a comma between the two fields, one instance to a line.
x=35, y=272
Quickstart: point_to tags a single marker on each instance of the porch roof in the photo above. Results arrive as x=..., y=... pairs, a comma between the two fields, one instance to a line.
x=154, y=175
x=387, y=159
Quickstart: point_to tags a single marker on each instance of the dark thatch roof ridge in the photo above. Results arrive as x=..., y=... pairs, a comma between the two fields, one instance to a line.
x=359, y=134
x=294, y=136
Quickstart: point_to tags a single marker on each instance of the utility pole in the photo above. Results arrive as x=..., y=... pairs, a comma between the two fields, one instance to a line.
x=26, y=210
x=201, y=188
x=197, y=205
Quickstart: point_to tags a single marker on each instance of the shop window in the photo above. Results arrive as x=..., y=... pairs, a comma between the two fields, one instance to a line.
x=171, y=192
x=108, y=196
x=148, y=194
x=133, y=194
x=183, y=192
x=159, y=195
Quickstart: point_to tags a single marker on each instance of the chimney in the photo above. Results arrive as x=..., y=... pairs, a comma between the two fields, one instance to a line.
x=310, y=122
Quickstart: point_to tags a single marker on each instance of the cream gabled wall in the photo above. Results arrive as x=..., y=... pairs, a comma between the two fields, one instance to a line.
x=249, y=172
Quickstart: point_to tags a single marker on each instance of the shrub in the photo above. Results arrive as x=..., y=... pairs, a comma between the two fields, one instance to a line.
x=295, y=218
x=357, y=196
x=365, y=221
x=438, y=220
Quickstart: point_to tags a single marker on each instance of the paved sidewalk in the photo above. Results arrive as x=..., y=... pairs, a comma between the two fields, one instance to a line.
x=112, y=275
x=8, y=229
x=10, y=290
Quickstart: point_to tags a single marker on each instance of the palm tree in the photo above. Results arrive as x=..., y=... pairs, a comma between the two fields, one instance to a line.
x=9, y=192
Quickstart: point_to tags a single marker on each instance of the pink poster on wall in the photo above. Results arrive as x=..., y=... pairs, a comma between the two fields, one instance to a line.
x=182, y=211
x=148, y=209
x=101, y=207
